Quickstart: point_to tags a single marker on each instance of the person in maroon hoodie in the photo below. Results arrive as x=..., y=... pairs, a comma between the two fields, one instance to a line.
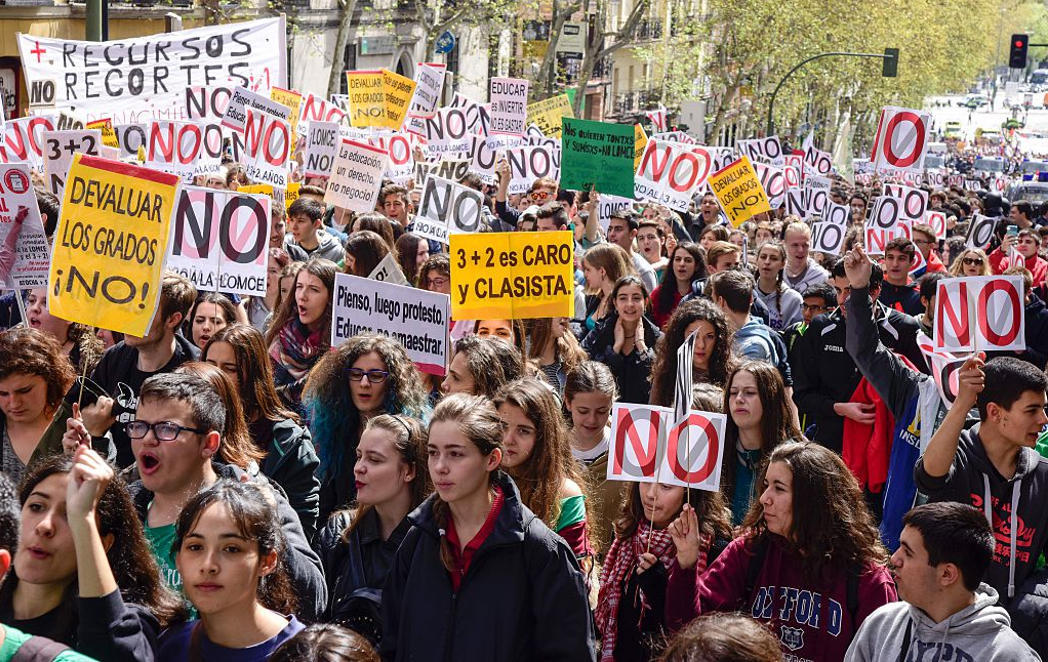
x=811, y=573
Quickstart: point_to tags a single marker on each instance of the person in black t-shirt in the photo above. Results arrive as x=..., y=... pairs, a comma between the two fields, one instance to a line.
x=127, y=364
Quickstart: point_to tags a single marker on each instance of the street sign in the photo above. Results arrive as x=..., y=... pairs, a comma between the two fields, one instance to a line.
x=445, y=42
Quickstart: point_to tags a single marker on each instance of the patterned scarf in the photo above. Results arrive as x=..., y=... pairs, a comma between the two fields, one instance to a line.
x=296, y=349
x=619, y=563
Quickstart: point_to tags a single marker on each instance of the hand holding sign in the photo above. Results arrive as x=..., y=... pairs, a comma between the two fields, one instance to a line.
x=970, y=381
x=9, y=249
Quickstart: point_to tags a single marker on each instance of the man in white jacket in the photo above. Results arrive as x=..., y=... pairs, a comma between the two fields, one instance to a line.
x=948, y=614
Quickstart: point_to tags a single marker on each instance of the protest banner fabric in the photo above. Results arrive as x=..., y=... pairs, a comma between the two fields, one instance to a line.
x=512, y=275
x=109, y=247
x=356, y=176
x=367, y=98
x=140, y=71
x=980, y=313
x=509, y=106
x=548, y=114
x=739, y=191
x=447, y=207
x=221, y=239
x=59, y=148
x=597, y=155
x=417, y=319
x=21, y=230
x=397, y=92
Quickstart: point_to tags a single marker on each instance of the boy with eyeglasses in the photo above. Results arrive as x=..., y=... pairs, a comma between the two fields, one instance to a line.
x=175, y=437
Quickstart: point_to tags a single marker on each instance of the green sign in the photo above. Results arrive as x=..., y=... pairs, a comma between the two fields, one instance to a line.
x=597, y=155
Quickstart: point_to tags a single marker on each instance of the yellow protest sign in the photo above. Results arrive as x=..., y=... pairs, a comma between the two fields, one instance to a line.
x=291, y=193
x=108, y=256
x=547, y=114
x=367, y=98
x=398, y=91
x=739, y=191
x=108, y=134
x=512, y=275
x=293, y=100
x=640, y=141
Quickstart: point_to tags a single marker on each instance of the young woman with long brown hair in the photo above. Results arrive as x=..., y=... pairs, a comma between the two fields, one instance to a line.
x=554, y=347
x=810, y=564
x=504, y=584
x=712, y=359
x=536, y=453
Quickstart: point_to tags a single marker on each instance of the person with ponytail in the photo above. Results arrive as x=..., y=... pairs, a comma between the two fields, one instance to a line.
x=631, y=606
x=784, y=303
x=537, y=455
x=358, y=545
x=479, y=576
x=231, y=552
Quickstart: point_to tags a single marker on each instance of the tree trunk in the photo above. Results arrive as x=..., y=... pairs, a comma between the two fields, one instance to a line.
x=338, y=59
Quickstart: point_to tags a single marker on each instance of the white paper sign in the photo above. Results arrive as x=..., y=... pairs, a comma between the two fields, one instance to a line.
x=447, y=207
x=509, y=106
x=356, y=177
x=980, y=313
x=59, y=147
x=22, y=229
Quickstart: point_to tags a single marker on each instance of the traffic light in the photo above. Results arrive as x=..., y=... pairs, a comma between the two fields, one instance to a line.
x=890, y=63
x=1017, y=58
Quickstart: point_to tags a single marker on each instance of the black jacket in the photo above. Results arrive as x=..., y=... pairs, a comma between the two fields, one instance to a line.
x=824, y=373
x=291, y=462
x=376, y=555
x=1036, y=320
x=303, y=564
x=522, y=598
x=633, y=372
x=905, y=298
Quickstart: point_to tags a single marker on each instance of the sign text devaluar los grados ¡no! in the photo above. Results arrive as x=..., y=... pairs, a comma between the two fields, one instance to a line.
x=533, y=285
x=125, y=201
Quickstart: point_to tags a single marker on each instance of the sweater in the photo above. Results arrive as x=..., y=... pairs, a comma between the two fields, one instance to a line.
x=866, y=447
x=978, y=633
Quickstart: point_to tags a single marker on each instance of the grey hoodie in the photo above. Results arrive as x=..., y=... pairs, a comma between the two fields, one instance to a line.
x=980, y=632
x=328, y=246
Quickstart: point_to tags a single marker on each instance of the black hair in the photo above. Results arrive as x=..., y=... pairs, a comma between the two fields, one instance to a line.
x=50, y=206
x=325, y=642
x=876, y=273
x=955, y=533
x=10, y=515
x=1006, y=379
x=928, y=284
x=822, y=291
x=736, y=288
x=306, y=207
x=1024, y=208
x=208, y=410
x=625, y=214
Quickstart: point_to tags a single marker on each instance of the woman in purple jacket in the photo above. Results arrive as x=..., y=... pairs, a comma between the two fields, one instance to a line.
x=811, y=572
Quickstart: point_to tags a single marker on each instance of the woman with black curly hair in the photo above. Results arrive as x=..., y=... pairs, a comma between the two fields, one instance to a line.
x=366, y=376
x=712, y=358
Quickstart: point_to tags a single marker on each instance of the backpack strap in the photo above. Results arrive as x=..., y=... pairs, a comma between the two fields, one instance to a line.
x=38, y=649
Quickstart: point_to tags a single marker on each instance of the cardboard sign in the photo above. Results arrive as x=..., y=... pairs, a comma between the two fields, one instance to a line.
x=816, y=161
x=24, y=140
x=417, y=319
x=767, y=150
x=243, y=101
x=526, y=164
x=401, y=162
x=315, y=109
x=367, y=98
x=607, y=205
x=904, y=203
x=221, y=239
x=356, y=177
x=388, y=271
x=267, y=148
x=816, y=195
x=980, y=313
x=937, y=221
x=447, y=132
x=509, y=106
x=944, y=367
x=773, y=181
x=482, y=160
x=174, y=147
x=106, y=127
x=59, y=148
x=646, y=447
x=109, y=245
x=278, y=196
x=397, y=91
x=901, y=139
x=827, y=233
x=142, y=71
x=739, y=191
x=980, y=231
x=670, y=173
x=547, y=115
x=597, y=155
x=322, y=140
x=448, y=207
x=24, y=253
x=512, y=275
x=429, y=82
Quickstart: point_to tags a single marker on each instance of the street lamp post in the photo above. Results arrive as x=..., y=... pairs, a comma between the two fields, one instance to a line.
x=889, y=54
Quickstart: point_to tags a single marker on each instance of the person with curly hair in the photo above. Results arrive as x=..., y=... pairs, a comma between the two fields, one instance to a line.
x=301, y=330
x=34, y=378
x=366, y=376
x=809, y=564
x=712, y=359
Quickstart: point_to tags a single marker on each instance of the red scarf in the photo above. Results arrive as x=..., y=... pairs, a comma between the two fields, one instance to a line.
x=619, y=563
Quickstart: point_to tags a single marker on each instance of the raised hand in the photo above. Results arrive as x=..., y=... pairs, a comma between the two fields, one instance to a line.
x=685, y=533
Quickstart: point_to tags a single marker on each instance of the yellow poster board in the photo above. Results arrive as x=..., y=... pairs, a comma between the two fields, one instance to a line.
x=398, y=91
x=512, y=275
x=108, y=133
x=640, y=142
x=367, y=98
x=293, y=100
x=112, y=234
x=547, y=114
x=291, y=193
x=739, y=191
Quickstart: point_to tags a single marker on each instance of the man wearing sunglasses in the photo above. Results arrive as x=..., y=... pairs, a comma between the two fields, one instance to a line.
x=176, y=438
x=543, y=190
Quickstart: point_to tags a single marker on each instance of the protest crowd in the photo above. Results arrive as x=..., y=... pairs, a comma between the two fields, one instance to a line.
x=488, y=382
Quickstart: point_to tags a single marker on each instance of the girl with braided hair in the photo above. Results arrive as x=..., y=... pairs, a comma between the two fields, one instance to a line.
x=784, y=303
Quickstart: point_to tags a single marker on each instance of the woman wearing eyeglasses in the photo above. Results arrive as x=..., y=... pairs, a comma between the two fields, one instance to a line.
x=365, y=377
x=971, y=262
